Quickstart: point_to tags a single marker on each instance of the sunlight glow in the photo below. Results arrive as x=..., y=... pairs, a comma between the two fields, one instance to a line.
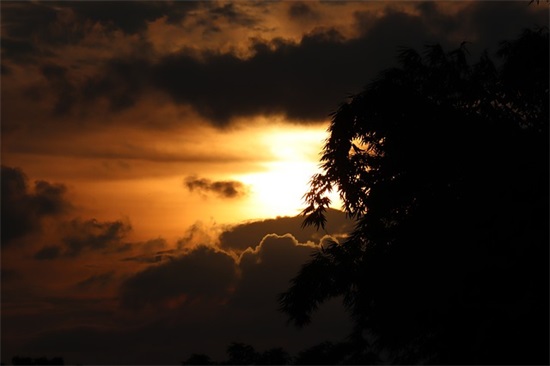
x=279, y=188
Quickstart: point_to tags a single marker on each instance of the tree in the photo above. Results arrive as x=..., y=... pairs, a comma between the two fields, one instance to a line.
x=445, y=167
x=274, y=356
x=242, y=354
x=328, y=353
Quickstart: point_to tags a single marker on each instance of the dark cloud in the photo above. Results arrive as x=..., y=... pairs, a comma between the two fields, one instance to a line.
x=265, y=272
x=281, y=78
x=197, y=234
x=122, y=82
x=23, y=209
x=62, y=87
x=80, y=236
x=131, y=16
x=48, y=253
x=93, y=235
x=24, y=20
x=230, y=12
x=248, y=235
x=303, y=80
x=151, y=258
x=301, y=10
x=151, y=251
x=246, y=290
x=44, y=21
x=30, y=29
x=199, y=301
x=512, y=18
x=99, y=280
x=19, y=50
x=201, y=274
x=223, y=189
x=275, y=254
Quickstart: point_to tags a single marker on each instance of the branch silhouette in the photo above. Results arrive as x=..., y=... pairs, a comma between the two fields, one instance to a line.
x=444, y=165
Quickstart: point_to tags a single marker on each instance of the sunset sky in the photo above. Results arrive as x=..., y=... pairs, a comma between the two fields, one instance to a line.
x=155, y=154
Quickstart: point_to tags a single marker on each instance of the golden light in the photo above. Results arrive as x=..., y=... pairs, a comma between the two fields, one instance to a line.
x=278, y=189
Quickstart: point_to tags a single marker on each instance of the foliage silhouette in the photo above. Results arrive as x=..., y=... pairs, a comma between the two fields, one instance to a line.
x=325, y=353
x=445, y=167
x=245, y=354
x=328, y=353
x=242, y=354
x=274, y=356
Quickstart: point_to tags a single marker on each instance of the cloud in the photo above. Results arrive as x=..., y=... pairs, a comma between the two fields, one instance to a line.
x=199, y=234
x=149, y=259
x=281, y=78
x=93, y=235
x=231, y=13
x=131, y=16
x=19, y=51
x=60, y=84
x=43, y=21
x=122, y=80
x=301, y=10
x=23, y=209
x=303, y=80
x=99, y=280
x=248, y=235
x=223, y=189
x=202, y=274
x=267, y=270
x=80, y=236
x=151, y=251
x=48, y=253
x=209, y=296
x=199, y=300
x=303, y=77
x=21, y=23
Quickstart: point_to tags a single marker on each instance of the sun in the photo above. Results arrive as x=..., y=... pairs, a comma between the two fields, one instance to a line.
x=278, y=187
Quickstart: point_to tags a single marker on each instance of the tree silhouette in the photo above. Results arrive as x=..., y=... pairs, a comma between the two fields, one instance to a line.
x=328, y=353
x=245, y=354
x=242, y=354
x=274, y=356
x=445, y=167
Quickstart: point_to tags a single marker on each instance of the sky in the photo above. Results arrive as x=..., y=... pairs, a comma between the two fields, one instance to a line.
x=155, y=154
